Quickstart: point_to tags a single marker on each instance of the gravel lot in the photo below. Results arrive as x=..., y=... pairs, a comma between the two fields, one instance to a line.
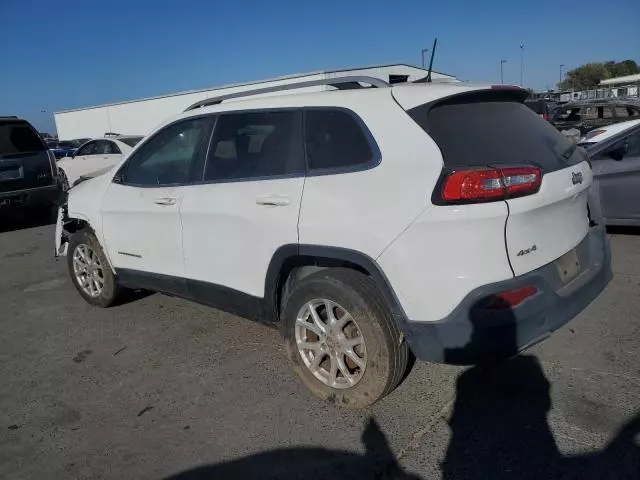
x=161, y=387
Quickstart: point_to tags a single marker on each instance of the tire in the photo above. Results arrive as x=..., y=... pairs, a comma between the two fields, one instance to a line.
x=385, y=354
x=64, y=181
x=85, y=242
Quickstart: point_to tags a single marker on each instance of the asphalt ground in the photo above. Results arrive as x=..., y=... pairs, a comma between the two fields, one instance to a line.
x=162, y=387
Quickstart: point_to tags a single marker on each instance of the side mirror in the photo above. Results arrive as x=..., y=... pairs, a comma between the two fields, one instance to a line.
x=619, y=151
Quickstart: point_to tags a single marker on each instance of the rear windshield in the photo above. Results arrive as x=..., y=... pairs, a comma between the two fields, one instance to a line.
x=537, y=106
x=19, y=137
x=131, y=141
x=483, y=129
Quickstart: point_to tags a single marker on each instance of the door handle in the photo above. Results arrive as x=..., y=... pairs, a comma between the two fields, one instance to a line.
x=165, y=201
x=273, y=201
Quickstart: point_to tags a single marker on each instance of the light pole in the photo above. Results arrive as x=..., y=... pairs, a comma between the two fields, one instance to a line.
x=502, y=62
x=561, y=65
x=521, y=61
x=423, y=51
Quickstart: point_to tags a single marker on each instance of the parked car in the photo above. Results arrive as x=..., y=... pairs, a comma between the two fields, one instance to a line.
x=28, y=173
x=543, y=108
x=615, y=156
x=95, y=156
x=589, y=114
x=356, y=221
x=61, y=149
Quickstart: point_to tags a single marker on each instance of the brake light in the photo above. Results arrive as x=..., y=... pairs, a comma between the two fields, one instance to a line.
x=510, y=299
x=490, y=184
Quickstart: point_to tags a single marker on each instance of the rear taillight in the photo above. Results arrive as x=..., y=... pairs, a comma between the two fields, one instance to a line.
x=489, y=184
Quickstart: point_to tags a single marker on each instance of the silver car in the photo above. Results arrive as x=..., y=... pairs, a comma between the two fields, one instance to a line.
x=615, y=157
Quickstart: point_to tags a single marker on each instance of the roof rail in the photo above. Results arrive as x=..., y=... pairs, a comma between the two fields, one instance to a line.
x=341, y=83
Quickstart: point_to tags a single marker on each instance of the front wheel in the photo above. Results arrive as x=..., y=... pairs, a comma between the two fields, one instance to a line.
x=90, y=271
x=341, y=339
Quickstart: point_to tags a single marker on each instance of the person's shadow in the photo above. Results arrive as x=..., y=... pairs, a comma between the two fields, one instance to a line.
x=499, y=426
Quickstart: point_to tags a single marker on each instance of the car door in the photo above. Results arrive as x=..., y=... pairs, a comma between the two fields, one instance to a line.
x=247, y=205
x=103, y=155
x=618, y=181
x=76, y=166
x=140, y=211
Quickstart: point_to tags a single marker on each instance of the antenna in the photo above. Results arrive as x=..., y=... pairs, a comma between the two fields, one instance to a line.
x=433, y=52
x=427, y=79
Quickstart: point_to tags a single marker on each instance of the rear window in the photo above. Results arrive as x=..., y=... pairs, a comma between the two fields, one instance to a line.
x=335, y=139
x=131, y=141
x=19, y=137
x=486, y=129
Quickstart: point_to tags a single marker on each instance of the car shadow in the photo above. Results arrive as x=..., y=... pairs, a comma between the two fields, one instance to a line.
x=377, y=462
x=13, y=220
x=499, y=430
x=623, y=230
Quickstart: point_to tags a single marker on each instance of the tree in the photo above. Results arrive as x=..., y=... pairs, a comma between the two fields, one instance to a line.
x=589, y=75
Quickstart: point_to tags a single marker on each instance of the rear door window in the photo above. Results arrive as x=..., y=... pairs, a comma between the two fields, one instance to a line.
x=484, y=129
x=250, y=145
x=19, y=137
x=335, y=139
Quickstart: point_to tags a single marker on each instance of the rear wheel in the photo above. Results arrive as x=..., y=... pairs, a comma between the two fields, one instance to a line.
x=341, y=339
x=90, y=271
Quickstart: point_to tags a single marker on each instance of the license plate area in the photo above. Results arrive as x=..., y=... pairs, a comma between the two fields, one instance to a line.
x=568, y=266
x=13, y=173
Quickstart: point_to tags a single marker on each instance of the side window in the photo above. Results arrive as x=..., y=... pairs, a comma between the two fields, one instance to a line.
x=255, y=144
x=634, y=145
x=111, y=148
x=102, y=147
x=622, y=112
x=589, y=113
x=335, y=139
x=88, y=149
x=170, y=156
x=605, y=112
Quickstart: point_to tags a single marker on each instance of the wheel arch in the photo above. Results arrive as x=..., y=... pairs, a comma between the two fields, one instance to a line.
x=288, y=258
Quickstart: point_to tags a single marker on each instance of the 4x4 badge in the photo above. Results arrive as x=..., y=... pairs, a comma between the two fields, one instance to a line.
x=576, y=177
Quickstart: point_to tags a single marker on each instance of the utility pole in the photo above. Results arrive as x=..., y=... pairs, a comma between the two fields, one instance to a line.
x=423, y=51
x=521, y=61
x=502, y=62
x=561, y=65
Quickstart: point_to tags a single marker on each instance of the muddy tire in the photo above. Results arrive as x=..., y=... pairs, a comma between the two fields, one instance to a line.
x=350, y=352
x=90, y=271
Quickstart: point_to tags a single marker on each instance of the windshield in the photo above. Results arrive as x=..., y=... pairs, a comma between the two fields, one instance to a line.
x=131, y=141
x=18, y=137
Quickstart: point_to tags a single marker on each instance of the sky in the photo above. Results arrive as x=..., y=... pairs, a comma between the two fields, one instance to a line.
x=69, y=53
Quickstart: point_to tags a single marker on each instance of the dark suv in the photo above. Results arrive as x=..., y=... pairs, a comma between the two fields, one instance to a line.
x=589, y=114
x=28, y=172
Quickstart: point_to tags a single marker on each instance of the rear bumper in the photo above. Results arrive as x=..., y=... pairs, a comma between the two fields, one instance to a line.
x=49, y=195
x=473, y=334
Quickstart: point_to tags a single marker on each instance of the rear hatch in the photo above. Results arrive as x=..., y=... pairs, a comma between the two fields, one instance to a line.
x=24, y=159
x=541, y=175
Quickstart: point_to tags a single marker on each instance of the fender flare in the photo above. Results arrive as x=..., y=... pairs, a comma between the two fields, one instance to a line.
x=291, y=252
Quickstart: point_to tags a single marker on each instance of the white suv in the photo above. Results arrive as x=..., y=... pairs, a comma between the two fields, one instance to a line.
x=446, y=220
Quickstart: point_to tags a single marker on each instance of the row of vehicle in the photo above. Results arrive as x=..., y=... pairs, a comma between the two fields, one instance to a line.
x=586, y=115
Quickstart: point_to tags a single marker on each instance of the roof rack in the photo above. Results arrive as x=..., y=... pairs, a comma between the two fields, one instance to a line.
x=341, y=83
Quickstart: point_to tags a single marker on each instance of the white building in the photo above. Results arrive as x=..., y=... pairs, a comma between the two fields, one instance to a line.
x=139, y=117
